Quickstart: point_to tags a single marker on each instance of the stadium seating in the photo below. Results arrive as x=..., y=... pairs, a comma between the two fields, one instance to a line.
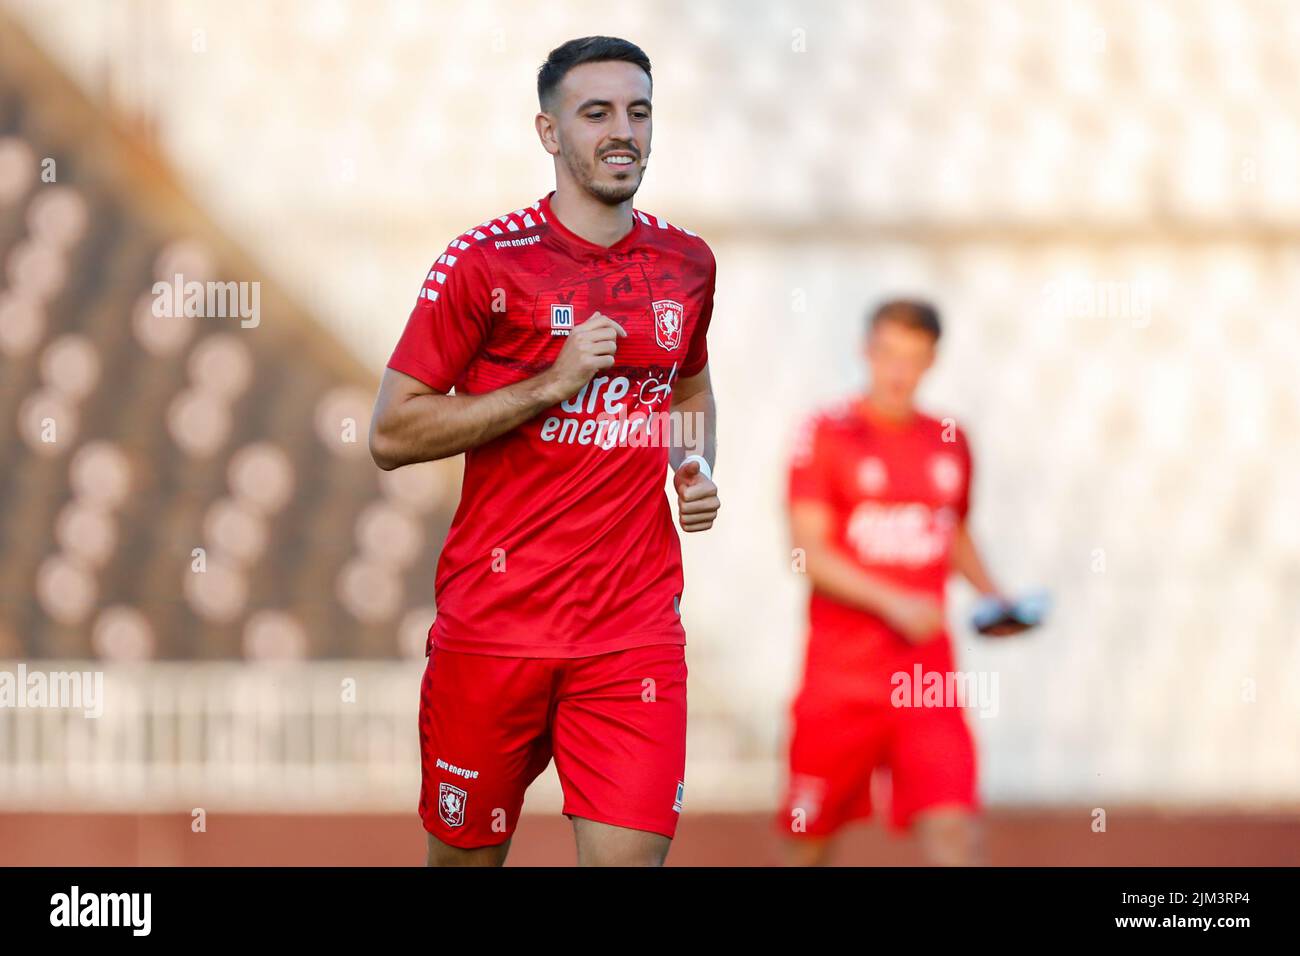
x=132, y=438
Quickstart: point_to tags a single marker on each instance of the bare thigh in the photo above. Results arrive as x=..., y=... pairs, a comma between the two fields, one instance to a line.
x=600, y=844
x=444, y=854
x=807, y=851
x=949, y=836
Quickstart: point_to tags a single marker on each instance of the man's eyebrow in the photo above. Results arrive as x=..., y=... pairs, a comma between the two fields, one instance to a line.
x=588, y=104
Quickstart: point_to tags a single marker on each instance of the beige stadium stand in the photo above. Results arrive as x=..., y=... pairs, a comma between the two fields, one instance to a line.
x=171, y=434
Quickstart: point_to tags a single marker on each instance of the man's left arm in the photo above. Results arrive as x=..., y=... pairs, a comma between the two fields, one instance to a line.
x=966, y=559
x=693, y=458
x=967, y=562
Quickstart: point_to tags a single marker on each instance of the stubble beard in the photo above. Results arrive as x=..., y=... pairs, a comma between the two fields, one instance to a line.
x=611, y=194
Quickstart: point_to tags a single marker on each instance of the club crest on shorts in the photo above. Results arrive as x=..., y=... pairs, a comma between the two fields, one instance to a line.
x=451, y=804
x=807, y=794
x=668, y=323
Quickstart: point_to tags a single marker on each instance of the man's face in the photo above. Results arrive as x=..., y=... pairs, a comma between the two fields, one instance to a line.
x=898, y=356
x=601, y=122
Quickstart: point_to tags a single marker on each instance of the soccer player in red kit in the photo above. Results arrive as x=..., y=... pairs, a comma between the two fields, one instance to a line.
x=569, y=330
x=878, y=498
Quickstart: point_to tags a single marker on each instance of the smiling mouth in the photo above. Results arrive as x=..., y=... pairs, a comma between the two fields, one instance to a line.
x=619, y=160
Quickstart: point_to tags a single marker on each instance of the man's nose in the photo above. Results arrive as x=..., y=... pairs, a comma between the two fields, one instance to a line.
x=622, y=131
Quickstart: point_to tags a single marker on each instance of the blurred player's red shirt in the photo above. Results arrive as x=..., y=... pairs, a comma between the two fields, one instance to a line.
x=897, y=493
x=563, y=544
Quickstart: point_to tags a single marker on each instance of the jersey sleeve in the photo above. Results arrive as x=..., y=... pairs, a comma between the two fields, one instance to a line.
x=809, y=478
x=697, y=352
x=450, y=321
x=968, y=463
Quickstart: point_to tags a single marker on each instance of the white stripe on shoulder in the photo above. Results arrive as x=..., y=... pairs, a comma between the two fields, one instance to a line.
x=651, y=220
x=513, y=221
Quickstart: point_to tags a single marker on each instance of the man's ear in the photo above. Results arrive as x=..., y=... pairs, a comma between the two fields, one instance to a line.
x=545, y=124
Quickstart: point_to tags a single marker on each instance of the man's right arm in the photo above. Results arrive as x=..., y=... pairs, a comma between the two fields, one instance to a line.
x=918, y=617
x=413, y=422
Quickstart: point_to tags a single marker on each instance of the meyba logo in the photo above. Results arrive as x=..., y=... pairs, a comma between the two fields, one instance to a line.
x=561, y=319
x=133, y=910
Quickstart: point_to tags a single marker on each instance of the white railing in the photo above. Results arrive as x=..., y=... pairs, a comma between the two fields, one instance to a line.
x=317, y=736
x=330, y=736
x=334, y=735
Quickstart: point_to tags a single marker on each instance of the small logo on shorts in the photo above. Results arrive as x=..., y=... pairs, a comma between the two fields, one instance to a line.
x=681, y=792
x=451, y=804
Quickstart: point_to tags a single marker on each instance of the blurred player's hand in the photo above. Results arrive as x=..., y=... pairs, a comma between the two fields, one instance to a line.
x=918, y=617
x=997, y=615
x=589, y=348
x=697, y=498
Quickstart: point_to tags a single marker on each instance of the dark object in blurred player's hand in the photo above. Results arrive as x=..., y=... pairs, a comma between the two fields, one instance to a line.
x=997, y=616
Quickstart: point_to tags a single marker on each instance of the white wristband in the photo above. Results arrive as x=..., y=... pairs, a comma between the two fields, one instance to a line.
x=705, y=470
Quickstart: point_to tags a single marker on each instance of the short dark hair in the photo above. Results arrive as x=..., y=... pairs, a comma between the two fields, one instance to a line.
x=585, y=50
x=914, y=313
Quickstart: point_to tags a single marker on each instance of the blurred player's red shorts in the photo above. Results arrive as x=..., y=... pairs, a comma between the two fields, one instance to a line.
x=615, y=724
x=836, y=746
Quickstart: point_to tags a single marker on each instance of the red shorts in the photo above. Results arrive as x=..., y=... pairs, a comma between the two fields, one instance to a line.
x=835, y=749
x=615, y=724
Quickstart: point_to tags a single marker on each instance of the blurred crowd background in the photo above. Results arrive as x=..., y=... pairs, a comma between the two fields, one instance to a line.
x=1102, y=197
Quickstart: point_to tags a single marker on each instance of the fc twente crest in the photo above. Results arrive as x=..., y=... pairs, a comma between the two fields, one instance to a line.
x=668, y=323
x=451, y=804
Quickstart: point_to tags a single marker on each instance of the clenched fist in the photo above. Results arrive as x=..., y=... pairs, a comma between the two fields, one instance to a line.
x=918, y=617
x=697, y=498
x=589, y=349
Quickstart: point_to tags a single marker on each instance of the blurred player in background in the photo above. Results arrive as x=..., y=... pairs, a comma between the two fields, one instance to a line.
x=568, y=329
x=879, y=495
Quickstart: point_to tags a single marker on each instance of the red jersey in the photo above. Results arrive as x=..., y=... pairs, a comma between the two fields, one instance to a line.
x=897, y=494
x=563, y=544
